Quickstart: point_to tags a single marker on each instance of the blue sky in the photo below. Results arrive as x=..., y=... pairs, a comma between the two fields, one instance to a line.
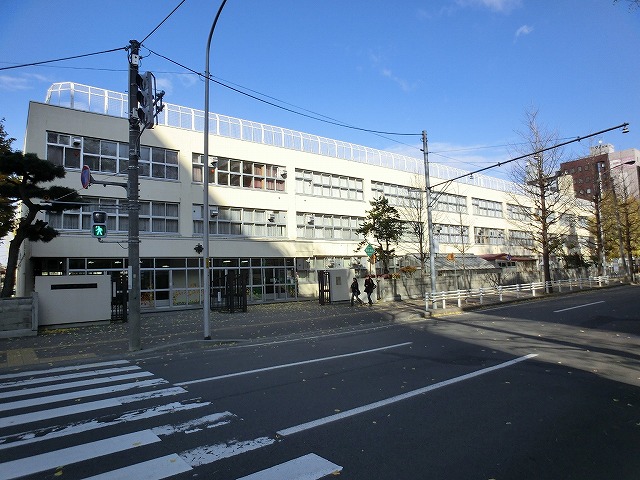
x=464, y=70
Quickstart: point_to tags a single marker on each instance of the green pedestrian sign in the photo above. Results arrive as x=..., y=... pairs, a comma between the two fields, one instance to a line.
x=98, y=224
x=369, y=250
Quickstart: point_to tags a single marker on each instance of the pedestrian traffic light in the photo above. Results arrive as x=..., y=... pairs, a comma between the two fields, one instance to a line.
x=145, y=96
x=99, y=224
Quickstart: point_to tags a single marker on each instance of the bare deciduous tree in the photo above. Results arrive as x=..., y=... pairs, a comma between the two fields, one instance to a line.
x=548, y=202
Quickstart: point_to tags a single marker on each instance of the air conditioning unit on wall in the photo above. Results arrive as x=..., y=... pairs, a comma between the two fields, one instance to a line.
x=213, y=211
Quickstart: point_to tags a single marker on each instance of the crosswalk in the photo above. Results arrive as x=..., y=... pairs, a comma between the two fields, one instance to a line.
x=101, y=421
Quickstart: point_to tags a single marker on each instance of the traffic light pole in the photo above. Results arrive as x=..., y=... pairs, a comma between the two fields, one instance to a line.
x=132, y=200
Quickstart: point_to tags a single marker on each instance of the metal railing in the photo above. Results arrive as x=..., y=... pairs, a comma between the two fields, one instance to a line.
x=99, y=100
x=500, y=293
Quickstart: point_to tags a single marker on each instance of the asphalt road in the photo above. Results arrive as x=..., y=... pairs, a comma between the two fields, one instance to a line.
x=540, y=390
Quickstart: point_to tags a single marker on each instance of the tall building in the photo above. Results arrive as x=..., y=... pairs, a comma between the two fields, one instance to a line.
x=602, y=168
x=283, y=204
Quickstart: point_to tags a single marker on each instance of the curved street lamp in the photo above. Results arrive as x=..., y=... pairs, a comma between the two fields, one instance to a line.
x=205, y=213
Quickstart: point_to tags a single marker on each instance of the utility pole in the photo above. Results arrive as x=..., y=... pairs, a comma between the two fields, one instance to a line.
x=132, y=200
x=427, y=190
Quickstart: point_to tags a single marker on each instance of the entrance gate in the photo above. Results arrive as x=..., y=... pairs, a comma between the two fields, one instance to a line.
x=119, y=293
x=324, y=287
x=229, y=292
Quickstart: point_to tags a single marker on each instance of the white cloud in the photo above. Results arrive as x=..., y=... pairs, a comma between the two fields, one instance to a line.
x=503, y=6
x=14, y=84
x=524, y=30
x=405, y=85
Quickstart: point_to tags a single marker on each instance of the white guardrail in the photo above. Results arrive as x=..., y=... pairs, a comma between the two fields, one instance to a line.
x=509, y=292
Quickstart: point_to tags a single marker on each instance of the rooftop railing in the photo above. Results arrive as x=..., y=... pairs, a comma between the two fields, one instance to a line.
x=107, y=102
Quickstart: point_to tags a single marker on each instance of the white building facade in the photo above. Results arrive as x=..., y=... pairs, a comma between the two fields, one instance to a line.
x=283, y=204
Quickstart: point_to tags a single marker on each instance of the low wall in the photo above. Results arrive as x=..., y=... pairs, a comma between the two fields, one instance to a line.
x=74, y=299
x=19, y=316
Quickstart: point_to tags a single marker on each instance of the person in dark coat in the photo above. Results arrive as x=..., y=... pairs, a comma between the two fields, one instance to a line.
x=369, y=287
x=355, y=292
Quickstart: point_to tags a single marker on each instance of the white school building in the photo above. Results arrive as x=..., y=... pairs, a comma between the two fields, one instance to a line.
x=283, y=204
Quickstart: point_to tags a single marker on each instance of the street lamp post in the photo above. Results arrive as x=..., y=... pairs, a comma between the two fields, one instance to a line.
x=205, y=178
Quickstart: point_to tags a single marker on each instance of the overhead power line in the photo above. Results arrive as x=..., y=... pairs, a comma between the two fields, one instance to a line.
x=62, y=59
x=325, y=120
x=558, y=145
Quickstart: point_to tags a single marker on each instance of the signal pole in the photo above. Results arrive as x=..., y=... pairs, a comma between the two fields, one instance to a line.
x=132, y=200
x=427, y=190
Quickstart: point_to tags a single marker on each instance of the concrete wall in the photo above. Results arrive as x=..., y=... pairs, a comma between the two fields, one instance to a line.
x=73, y=299
x=19, y=316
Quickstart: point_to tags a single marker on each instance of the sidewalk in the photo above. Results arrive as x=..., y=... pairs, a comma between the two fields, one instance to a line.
x=183, y=330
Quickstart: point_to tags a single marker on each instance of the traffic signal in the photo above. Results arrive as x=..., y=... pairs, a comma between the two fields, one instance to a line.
x=99, y=224
x=145, y=96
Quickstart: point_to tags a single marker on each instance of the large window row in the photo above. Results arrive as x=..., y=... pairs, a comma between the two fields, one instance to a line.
x=518, y=212
x=248, y=222
x=489, y=236
x=328, y=185
x=107, y=156
x=452, y=234
x=239, y=173
x=397, y=195
x=447, y=202
x=327, y=227
x=518, y=238
x=155, y=217
x=486, y=208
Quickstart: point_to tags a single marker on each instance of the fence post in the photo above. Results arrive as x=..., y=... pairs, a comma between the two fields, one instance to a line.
x=518, y=287
x=533, y=290
x=500, y=291
x=481, y=296
x=459, y=298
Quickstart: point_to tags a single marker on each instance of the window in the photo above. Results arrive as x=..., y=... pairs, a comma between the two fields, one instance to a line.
x=519, y=238
x=327, y=227
x=489, y=236
x=486, y=208
x=518, y=212
x=158, y=162
x=328, y=185
x=234, y=221
x=397, y=195
x=450, y=203
x=108, y=156
x=452, y=234
x=246, y=174
x=197, y=168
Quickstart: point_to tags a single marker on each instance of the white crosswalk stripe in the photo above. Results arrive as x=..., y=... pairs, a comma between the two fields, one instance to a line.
x=96, y=412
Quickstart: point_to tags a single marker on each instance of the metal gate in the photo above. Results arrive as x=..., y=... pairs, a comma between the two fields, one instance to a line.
x=119, y=294
x=324, y=287
x=228, y=293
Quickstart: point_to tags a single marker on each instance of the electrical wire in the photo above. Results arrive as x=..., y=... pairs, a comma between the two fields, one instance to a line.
x=165, y=19
x=62, y=59
x=339, y=124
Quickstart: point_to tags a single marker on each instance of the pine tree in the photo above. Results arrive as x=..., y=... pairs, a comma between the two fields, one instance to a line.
x=21, y=180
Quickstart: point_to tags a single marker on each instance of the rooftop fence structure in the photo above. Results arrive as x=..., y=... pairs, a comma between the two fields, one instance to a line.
x=107, y=102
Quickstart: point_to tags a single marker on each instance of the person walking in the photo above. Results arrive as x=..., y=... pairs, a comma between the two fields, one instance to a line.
x=355, y=292
x=369, y=287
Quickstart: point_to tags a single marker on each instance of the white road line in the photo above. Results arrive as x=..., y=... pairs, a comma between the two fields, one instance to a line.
x=57, y=431
x=307, y=467
x=208, y=421
x=61, y=369
x=211, y=453
x=286, y=365
x=50, y=460
x=86, y=407
x=156, y=469
x=68, y=385
x=578, y=306
x=58, y=378
x=398, y=398
x=79, y=394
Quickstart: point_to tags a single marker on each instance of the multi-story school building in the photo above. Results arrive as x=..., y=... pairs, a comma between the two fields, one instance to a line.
x=283, y=204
